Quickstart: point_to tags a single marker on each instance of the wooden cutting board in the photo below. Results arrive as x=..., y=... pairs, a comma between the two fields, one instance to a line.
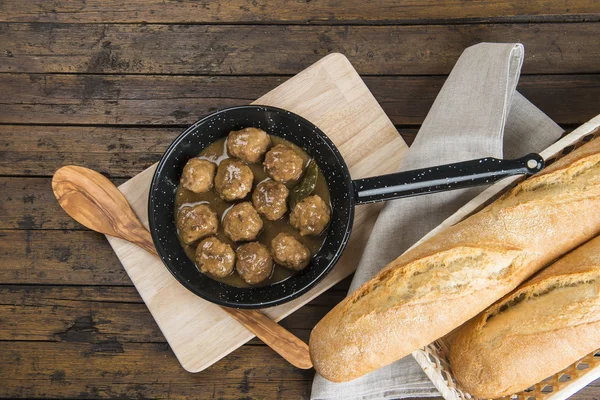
x=332, y=96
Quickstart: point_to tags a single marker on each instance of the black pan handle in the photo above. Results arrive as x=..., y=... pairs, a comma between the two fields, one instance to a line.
x=443, y=178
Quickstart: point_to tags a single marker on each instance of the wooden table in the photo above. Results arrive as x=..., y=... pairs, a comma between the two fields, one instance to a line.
x=108, y=84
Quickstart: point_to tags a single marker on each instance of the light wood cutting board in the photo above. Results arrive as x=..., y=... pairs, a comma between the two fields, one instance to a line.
x=331, y=95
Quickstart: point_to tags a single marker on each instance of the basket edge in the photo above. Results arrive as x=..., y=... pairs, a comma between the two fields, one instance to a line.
x=427, y=366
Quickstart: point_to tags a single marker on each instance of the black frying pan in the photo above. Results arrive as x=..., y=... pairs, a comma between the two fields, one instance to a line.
x=345, y=194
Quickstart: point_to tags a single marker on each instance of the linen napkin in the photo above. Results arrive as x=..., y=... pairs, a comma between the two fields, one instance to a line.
x=478, y=113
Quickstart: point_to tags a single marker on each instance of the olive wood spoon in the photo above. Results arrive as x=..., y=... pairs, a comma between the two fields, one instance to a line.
x=93, y=201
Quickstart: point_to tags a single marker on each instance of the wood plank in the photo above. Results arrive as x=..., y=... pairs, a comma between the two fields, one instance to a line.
x=75, y=314
x=58, y=258
x=147, y=100
x=282, y=11
x=29, y=203
x=589, y=392
x=68, y=313
x=115, y=151
x=109, y=318
x=149, y=370
x=272, y=49
x=142, y=370
x=181, y=100
x=100, y=313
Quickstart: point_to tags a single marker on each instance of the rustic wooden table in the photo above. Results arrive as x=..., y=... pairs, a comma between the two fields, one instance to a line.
x=108, y=84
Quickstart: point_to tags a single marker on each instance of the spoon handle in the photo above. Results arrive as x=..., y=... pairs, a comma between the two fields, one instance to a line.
x=285, y=343
x=141, y=237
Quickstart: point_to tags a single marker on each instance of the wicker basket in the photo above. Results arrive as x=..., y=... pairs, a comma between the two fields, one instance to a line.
x=433, y=358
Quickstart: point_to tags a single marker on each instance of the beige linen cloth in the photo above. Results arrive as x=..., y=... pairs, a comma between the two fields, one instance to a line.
x=477, y=113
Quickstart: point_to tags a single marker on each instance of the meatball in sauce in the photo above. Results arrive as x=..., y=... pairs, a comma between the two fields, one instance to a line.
x=283, y=164
x=256, y=198
x=249, y=144
x=254, y=263
x=310, y=216
x=196, y=222
x=215, y=257
x=270, y=199
x=242, y=223
x=289, y=252
x=198, y=175
x=233, y=180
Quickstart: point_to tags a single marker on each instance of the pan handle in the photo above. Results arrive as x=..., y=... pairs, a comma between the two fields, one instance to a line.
x=443, y=178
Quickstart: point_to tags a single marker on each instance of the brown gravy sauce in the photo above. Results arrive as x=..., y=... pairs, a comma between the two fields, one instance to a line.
x=217, y=152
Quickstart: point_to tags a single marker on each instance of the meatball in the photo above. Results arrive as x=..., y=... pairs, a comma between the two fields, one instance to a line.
x=269, y=198
x=248, y=144
x=196, y=222
x=254, y=263
x=198, y=175
x=283, y=164
x=215, y=257
x=233, y=180
x=289, y=252
x=310, y=216
x=242, y=223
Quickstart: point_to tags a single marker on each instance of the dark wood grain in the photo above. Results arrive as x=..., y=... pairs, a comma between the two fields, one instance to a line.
x=181, y=100
x=64, y=257
x=109, y=320
x=142, y=370
x=285, y=12
x=108, y=84
x=30, y=204
x=58, y=257
x=101, y=326
x=98, y=313
x=111, y=369
x=235, y=49
x=116, y=151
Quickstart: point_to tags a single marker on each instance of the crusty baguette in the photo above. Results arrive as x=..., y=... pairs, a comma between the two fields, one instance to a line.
x=541, y=328
x=450, y=278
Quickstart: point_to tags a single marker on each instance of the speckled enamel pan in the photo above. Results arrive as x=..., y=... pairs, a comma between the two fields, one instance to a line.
x=345, y=194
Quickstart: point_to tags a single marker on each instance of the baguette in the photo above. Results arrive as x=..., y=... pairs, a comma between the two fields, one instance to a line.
x=447, y=280
x=543, y=327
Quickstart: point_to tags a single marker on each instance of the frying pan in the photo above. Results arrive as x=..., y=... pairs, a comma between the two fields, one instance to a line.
x=345, y=194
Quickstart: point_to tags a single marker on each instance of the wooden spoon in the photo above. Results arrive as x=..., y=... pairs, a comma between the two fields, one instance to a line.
x=93, y=201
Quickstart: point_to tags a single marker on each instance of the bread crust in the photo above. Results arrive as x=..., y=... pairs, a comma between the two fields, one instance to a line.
x=435, y=287
x=549, y=323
